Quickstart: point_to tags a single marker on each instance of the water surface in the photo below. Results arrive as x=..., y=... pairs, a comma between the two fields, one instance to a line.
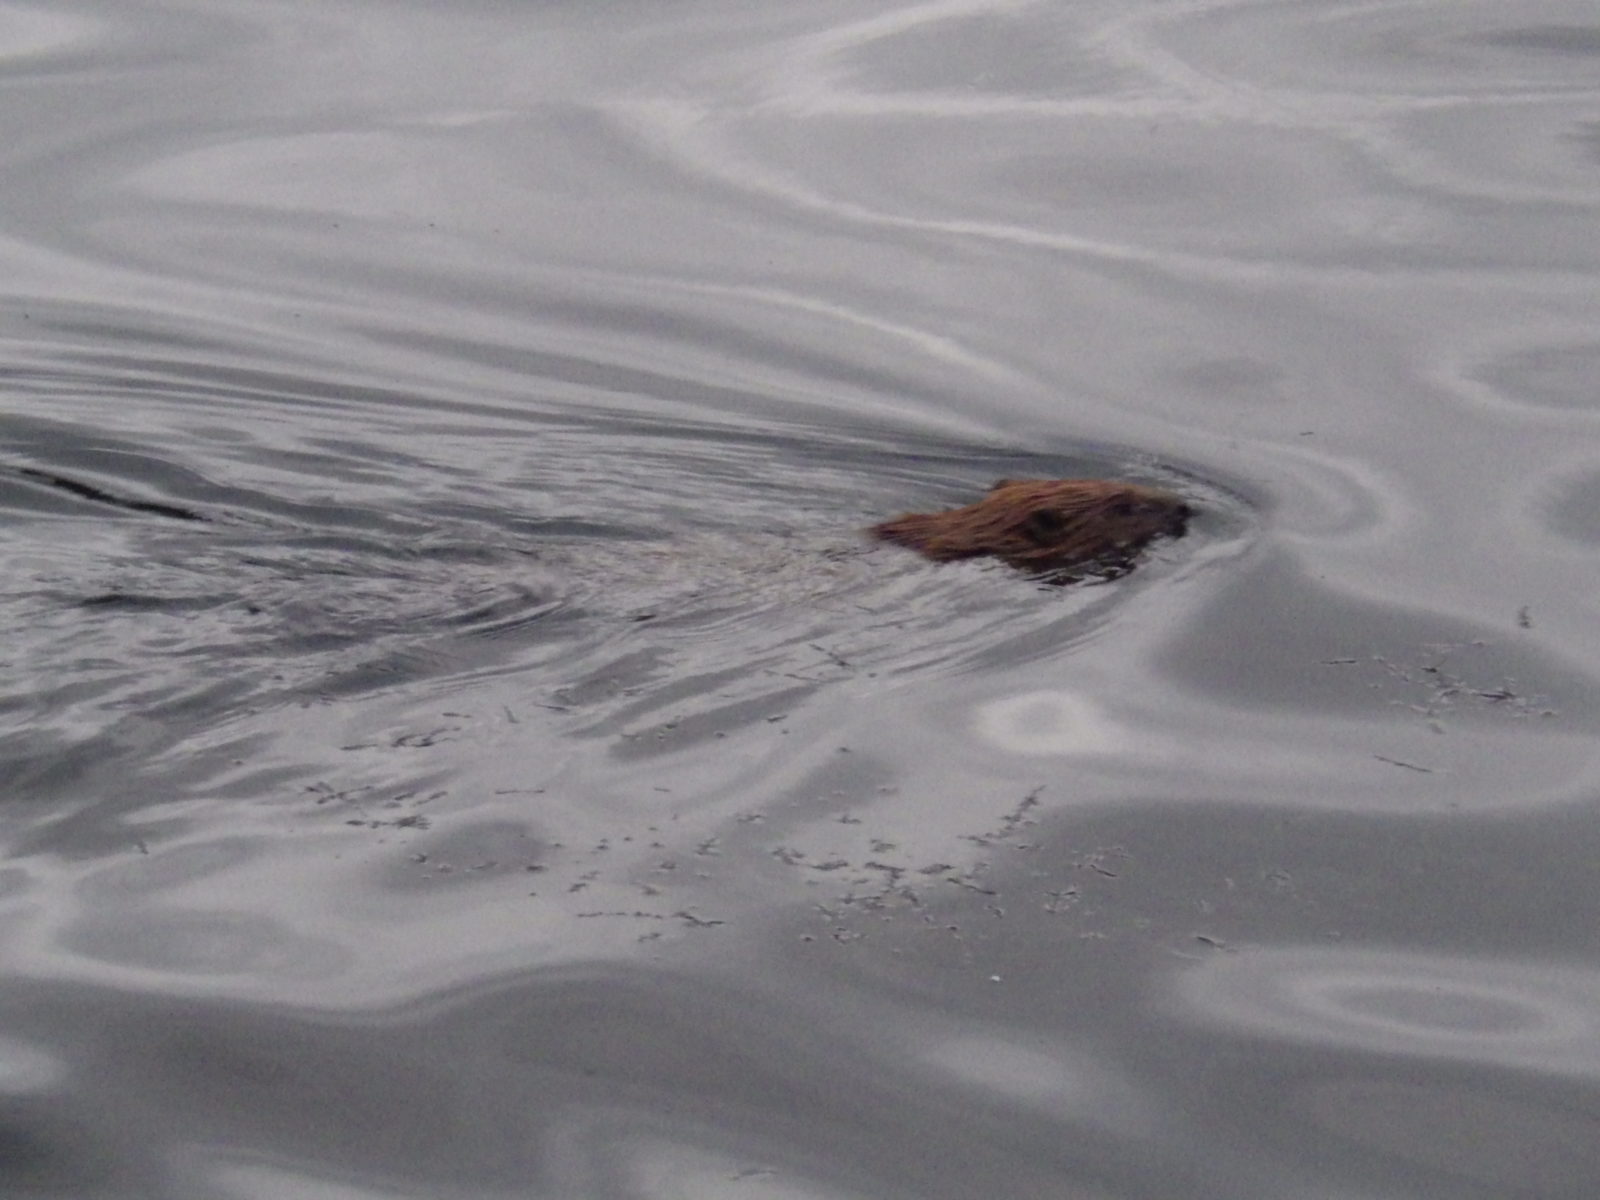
x=455, y=740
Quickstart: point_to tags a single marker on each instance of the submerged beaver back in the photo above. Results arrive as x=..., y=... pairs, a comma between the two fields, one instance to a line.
x=1092, y=526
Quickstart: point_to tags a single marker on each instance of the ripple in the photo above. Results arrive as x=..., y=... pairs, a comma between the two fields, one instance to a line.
x=196, y=942
x=30, y=36
x=1581, y=40
x=376, y=175
x=1560, y=377
x=1236, y=379
x=1526, y=1015
x=166, y=869
x=1050, y=722
x=26, y=1068
x=1572, y=513
x=947, y=55
x=1253, y=644
x=244, y=1175
x=1061, y=1080
x=1178, y=192
x=1525, y=152
x=1483, y=47
x=1180, y=159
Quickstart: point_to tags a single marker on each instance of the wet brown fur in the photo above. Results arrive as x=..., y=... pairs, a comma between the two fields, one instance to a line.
x=1065, y=528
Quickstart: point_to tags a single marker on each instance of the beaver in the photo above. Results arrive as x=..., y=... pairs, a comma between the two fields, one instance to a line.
x=1060, y=529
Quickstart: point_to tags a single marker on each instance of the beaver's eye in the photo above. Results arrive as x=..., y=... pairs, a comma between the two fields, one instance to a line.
x=1124, y=508
x=1044, y=524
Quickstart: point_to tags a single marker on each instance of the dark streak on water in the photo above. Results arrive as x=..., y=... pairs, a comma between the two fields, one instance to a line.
x=88, y=491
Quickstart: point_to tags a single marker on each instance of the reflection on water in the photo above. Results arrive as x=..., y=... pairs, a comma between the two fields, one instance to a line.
x=1505, y=1021
x=1532, y=1016
x=456, y=740
x=1049, y=723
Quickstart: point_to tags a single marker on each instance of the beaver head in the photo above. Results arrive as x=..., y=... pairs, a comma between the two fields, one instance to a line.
x=1052, y=526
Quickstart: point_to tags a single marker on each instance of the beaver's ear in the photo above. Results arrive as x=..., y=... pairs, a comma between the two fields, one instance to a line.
x=1004, y=483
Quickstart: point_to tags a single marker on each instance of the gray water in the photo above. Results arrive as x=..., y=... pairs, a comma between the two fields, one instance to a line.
x=457, y=743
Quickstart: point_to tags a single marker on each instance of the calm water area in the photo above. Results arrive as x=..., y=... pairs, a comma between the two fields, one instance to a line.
x=456, y=741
